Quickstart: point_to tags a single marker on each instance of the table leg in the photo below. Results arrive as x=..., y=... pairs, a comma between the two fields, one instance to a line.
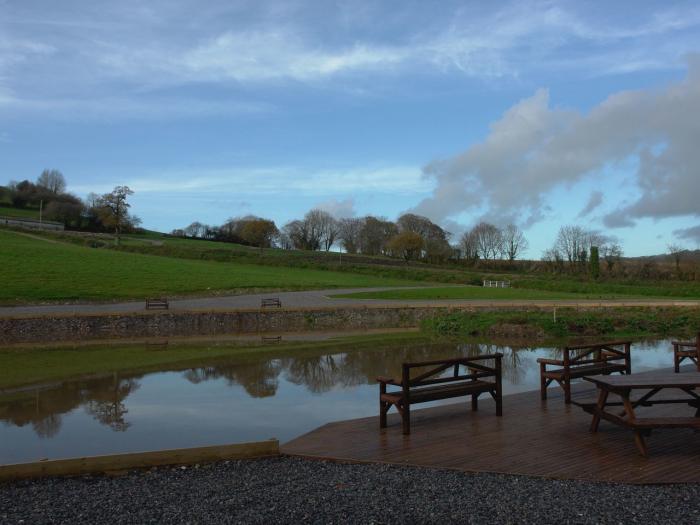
x=602, y=398
x=638, y=433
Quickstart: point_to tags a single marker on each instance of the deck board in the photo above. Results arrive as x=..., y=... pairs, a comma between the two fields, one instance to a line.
x=534, y=437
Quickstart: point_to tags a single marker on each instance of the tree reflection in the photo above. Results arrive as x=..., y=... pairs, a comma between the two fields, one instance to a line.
x=106, y=404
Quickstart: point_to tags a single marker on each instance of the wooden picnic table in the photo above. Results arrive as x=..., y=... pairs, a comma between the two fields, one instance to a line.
x=649, y=385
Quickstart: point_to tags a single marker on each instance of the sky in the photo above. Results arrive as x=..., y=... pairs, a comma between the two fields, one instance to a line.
x=539, y=113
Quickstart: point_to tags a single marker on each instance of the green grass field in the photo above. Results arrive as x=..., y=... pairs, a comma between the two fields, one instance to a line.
x=23, y=213
x=477, y=292
x=34, y=270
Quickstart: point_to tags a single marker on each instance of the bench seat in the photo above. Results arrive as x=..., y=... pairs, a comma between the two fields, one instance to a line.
x=434, y=393
x=420, y=386
x=586, y=370
x=582, y=361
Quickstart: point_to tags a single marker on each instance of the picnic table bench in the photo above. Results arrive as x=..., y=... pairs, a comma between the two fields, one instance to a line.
x=584, y=360
x=686, y=350
x=432, y=385
x=271, y=302
x=157, y=303
x=651, y=384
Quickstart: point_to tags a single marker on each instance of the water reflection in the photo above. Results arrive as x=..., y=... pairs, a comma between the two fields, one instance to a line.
x=247, y=397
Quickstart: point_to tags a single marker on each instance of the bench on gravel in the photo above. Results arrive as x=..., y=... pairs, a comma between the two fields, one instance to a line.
x=271, y=302
x=686, y=350
x=435, y=384
x=582, y=361
x=159, y=303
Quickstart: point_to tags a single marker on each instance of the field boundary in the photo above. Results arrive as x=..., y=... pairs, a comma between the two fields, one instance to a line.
x=101, y=327
x=121, y=462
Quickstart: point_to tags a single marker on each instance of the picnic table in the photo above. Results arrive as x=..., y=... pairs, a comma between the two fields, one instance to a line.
x=649, y=385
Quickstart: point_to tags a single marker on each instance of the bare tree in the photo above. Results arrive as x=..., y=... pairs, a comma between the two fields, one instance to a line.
x=489, y=240
x=52, y=180
x=114, y=210
x=349, y=234
x=514, y=242
x=328, y=226
x=571, y=242
x=375, y=235
x=612, y=253
x=196, y=229
x=469, y=247
x=676, y=252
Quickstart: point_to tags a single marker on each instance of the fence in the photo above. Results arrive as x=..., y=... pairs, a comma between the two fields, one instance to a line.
x=496, y=284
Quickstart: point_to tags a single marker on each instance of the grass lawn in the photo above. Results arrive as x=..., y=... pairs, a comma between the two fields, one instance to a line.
x=18, y=212
x=477, y=292
x=23, y=366
x=33, y=270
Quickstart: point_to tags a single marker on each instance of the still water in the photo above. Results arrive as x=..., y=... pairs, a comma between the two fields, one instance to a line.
x=246, y=398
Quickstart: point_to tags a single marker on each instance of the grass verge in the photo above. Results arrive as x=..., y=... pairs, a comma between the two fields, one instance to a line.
x=478, y=292
x=628, y=322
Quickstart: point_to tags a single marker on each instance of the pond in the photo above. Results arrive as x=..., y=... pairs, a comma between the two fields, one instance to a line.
x=249, y=397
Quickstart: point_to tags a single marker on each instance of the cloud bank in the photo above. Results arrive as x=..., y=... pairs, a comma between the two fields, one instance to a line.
x=535, y=148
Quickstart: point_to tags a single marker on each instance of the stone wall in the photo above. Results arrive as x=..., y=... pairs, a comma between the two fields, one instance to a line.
x=151, y=324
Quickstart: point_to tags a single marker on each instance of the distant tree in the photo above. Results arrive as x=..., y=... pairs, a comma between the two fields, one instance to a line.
x=676, y=253
x=489, y=240
x=594, y=263
x=69, y=212
x=328, y=226
x=196, y=229
x=349, y=230
x=375, y=235
x=612, y=254
x=114, y=210
x=514, y=241
x=52, y=180
x=408, y=245
x=259, y=232
x=469, y=247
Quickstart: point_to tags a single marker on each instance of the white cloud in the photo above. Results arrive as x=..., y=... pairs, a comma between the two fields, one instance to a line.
x=398, y=180
x=339, y=209
x=534, y=148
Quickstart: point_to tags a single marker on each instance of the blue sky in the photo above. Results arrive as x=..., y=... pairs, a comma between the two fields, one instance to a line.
x=540, y=113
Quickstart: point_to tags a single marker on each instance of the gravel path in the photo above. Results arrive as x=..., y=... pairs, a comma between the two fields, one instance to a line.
x=291, y=490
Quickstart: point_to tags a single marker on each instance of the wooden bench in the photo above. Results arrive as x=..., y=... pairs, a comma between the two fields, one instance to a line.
x=271, y=302
x=686, y=350
x=432, y=385
x=582, y=361
x=160, y=303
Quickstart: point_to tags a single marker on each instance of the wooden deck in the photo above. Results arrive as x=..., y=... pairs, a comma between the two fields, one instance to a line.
x=534, y=438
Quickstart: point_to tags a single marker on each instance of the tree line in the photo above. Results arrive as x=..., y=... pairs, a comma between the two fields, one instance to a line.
x=98, y=213
x=411, y=237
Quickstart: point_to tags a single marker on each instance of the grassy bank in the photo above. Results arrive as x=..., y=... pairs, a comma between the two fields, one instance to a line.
x=568, y=323
x=34, y=270
x=22, y=366
x=479, y=293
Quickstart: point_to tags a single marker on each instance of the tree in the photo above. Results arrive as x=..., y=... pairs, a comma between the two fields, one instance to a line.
x=676, y=252
x=375, y=235
x=594, y=264
x=612, y=253
x=349, y=230
x=259, y=232
x=52, y=180
x=69, y=212
x=435, y=240
x=196, y=229
x=488, y=239
x=328, y=226
x=469, y=247
x=114, y=210
x=407, y=244
x=514, y=241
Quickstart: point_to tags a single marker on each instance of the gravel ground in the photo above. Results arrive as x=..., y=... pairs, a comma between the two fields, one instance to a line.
x=291, y=490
